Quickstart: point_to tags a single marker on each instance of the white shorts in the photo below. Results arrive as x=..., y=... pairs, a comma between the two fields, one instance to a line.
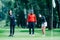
x=44, y=24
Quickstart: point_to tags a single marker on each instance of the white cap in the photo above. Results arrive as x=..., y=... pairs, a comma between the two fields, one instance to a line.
x=40, y=15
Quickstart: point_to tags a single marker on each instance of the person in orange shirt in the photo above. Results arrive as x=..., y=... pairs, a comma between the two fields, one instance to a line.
x=31, y=20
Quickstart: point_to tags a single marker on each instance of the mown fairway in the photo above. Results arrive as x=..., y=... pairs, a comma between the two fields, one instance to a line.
x=22, y=34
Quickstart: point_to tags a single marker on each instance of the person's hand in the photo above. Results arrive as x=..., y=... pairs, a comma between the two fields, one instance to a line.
x=15, y=20
x=36, y=23
x=27, y=23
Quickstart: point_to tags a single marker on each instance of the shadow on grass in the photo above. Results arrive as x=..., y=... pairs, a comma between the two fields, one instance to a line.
x=56, y=30
x=35, y=31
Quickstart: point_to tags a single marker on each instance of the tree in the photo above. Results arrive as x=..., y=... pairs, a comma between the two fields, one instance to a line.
x=49, y=6
x=58, y=9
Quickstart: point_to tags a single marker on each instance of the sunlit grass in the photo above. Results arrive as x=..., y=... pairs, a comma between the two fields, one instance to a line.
x=23, y=34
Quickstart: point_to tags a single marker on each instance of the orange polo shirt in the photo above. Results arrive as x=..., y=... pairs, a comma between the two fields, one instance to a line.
x=31, y=18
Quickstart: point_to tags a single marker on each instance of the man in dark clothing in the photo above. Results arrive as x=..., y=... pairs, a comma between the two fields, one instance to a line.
x=12, y=23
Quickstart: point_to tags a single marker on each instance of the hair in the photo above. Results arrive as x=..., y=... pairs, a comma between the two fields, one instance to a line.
x=9, y=11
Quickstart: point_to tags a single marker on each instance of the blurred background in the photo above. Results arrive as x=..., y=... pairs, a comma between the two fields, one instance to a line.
x=21, y=9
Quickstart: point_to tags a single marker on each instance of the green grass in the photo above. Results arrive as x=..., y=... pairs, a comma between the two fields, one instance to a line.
x=22, y=34
x=56, y=32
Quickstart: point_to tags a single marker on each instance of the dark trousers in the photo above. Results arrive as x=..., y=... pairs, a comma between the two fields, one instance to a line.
x=12, y=28
x=31, y=26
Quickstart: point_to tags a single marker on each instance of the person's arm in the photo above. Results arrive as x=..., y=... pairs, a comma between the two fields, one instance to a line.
x=35, y=19
x=44, y=18
x=11, y=16
x=27, y=19
x=14, y=18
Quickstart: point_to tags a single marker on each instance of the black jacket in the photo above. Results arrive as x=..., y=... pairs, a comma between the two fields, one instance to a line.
x=12, y=20
x=43, y=19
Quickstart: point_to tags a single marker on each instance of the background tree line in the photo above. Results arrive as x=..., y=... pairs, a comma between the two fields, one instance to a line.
x=43, y=7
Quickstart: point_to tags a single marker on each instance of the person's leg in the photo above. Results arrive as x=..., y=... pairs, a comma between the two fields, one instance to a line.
x=10, y=30
x=29, y=30
x=44, y=27
x=33, y=30
x=43, y=30
x=13, y=29
x=29, y=25
x=32, y=26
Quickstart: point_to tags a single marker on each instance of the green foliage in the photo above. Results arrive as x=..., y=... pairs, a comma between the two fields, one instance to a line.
x=43, y=7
